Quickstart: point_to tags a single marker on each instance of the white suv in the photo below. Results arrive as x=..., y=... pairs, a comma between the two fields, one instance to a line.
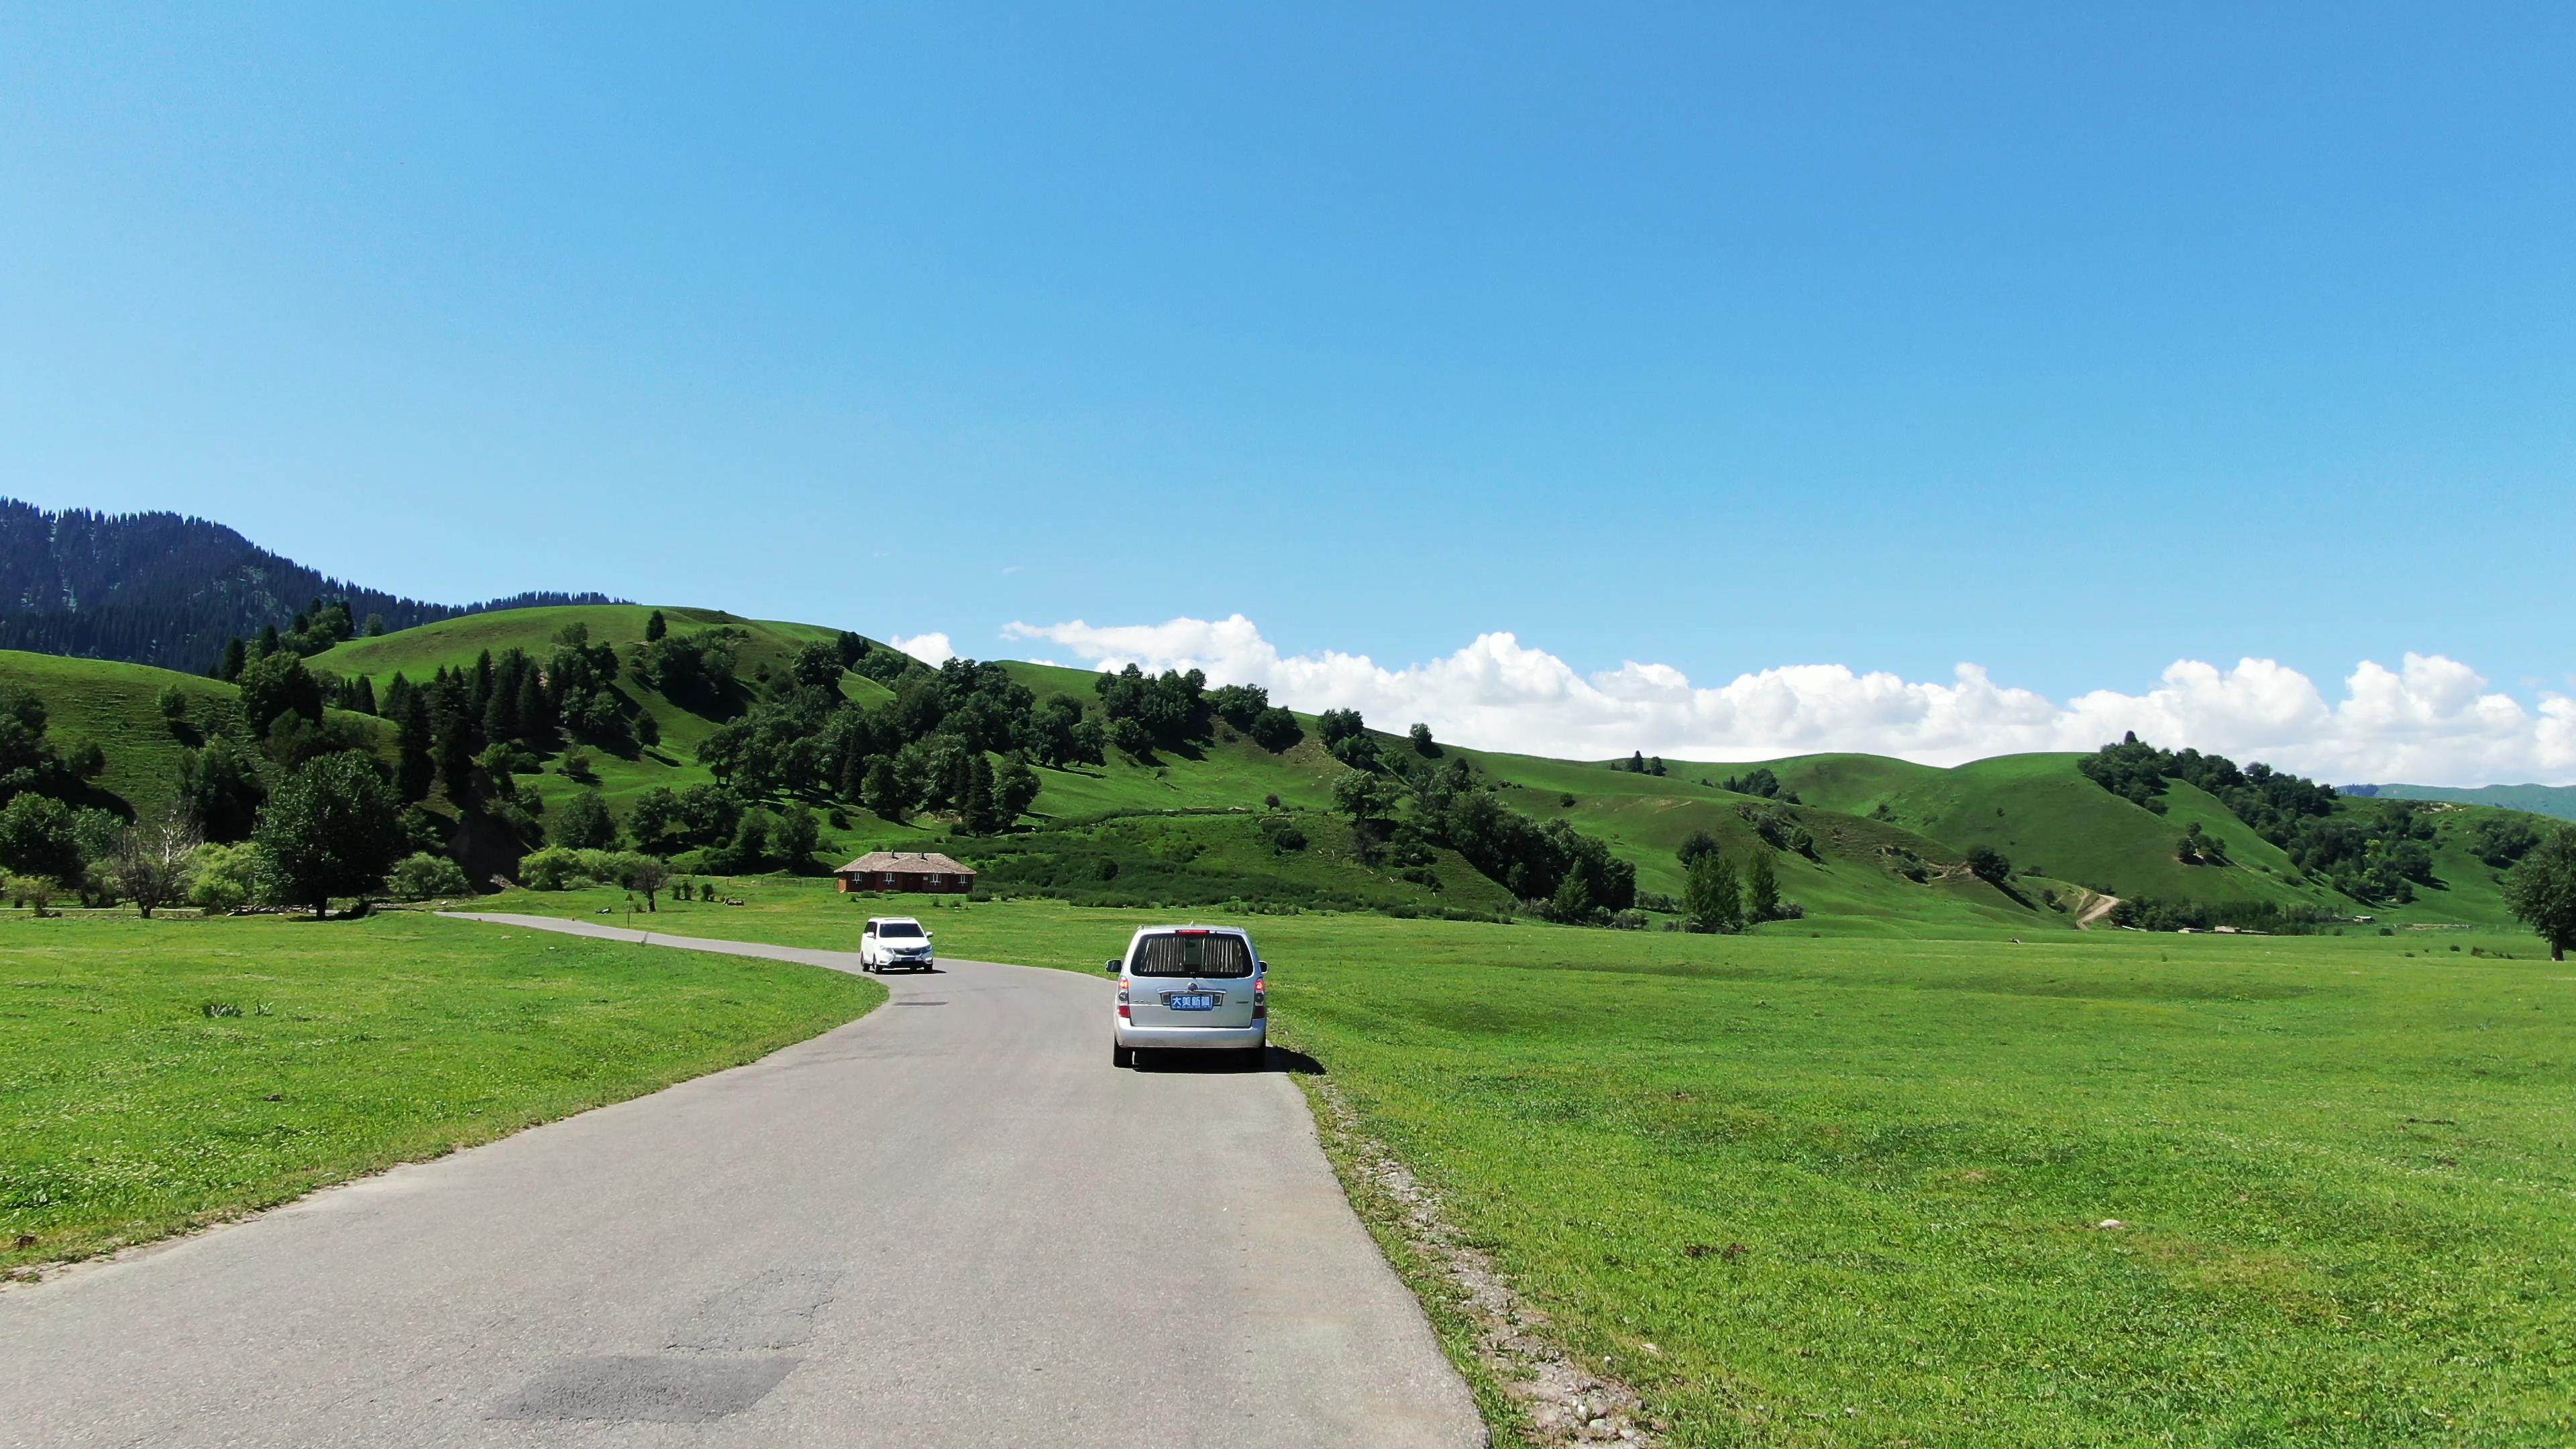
x=1195, y=988
x=894, y=941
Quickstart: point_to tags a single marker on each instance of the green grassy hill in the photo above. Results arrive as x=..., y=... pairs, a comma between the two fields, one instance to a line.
x=117, y=707
x=2557, y=800
x=2039, y=811
x=1891, y=837
x=764, y=646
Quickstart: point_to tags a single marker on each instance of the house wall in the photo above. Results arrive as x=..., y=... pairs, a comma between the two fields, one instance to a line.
x=916, y=881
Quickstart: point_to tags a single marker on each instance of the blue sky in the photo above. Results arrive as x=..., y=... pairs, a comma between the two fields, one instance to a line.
x=2068, y=344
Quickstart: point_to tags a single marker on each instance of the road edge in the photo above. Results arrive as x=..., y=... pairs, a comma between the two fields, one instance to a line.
x=1531, y=1392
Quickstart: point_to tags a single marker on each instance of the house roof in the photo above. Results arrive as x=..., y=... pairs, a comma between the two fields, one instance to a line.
x=906, y=861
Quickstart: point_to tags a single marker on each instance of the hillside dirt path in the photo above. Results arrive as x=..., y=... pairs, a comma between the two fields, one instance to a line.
x=951, y=1222
x=2096, y=909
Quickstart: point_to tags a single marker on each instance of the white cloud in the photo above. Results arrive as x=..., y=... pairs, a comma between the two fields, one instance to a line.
x=2431, y=721
x=928, y=648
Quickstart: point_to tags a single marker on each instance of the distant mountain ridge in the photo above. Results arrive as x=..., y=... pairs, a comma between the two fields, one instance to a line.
x=162, y=589
x=2558, y=800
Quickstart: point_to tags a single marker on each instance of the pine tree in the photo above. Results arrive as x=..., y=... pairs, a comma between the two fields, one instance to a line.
x=655, y=627
x=416, y=767
x=884, y=790
x=236, y=656
x=977, y=805
x=850, y=775
x=501, y=712
x=456, y=757
x=536, y=727
x=366, y=695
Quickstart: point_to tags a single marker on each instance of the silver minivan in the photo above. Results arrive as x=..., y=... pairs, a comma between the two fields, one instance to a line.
x=1191, y=988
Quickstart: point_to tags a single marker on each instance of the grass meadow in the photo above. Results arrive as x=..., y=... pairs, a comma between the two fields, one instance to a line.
x=157, y=1075
x=1807, y=1190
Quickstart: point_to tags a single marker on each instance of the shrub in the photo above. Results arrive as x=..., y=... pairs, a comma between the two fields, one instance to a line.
x=550, y=869
x=419, y=877
x=228, y=877
x=596, y=867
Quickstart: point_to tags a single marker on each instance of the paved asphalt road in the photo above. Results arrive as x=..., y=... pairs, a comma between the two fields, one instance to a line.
x=949, y=1223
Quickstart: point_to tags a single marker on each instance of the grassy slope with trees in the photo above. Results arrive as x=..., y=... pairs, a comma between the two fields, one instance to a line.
x=1861, y=843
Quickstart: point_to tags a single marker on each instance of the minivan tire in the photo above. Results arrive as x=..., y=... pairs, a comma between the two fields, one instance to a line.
x=1120, y=1056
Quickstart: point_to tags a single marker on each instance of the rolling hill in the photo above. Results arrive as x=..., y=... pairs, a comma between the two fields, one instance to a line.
x=2558, y=800
x=1199, y=822
x=117, y=707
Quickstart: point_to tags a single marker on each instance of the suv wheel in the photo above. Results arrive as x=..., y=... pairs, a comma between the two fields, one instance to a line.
x=1120, y=1056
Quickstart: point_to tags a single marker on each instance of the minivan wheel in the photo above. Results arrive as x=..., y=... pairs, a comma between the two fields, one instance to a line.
x=1120, y=1056
x=1253, y=1058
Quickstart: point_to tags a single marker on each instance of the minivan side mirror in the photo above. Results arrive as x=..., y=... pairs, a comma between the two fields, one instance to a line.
x=1113, y=966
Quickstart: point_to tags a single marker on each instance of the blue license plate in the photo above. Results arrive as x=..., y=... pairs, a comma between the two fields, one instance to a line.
x=1189, y=1001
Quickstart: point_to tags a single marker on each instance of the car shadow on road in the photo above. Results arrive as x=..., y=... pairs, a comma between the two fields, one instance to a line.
x=1276, y=1059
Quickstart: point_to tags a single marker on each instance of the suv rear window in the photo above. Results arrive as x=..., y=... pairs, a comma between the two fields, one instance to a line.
x=1191, y=955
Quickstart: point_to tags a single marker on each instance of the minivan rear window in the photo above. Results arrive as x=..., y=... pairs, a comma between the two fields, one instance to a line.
x=1175, y=954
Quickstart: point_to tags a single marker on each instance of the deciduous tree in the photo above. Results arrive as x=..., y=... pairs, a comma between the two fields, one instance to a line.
x=332, y=829
x=1713, y=898
x=154, y=860
x=2541, y=891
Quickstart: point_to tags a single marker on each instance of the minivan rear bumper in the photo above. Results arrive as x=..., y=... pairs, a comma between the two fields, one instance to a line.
x=1212, y=1038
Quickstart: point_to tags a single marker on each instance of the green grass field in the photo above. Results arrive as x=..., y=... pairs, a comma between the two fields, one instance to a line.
x=131, y=1112
x=2344, y=1164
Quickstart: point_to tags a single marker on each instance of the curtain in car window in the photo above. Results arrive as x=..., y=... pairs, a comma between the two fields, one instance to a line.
x=1192, y=956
